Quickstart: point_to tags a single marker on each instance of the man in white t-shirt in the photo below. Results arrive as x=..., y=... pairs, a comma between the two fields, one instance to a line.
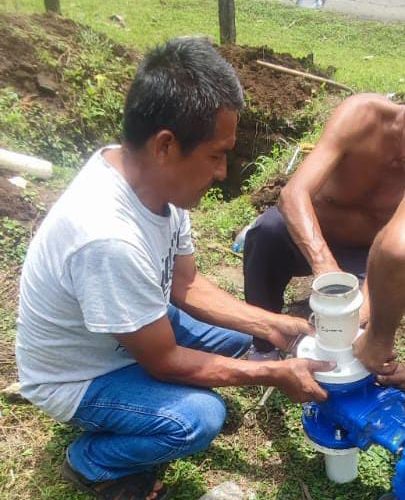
x=118, y=333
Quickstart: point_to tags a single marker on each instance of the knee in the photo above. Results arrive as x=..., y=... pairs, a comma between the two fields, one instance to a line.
x=268, y=234
x=206, y=415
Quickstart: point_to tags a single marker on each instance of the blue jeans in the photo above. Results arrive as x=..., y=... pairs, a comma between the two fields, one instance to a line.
x=133, y=422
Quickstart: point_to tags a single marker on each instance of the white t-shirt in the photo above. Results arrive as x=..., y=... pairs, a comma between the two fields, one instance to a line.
x=101, y=263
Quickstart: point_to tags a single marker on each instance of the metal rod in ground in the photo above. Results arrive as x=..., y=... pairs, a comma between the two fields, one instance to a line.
x=291, y=163
x=265, y=397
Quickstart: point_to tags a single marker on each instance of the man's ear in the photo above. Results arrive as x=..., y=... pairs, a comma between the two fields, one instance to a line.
x=165, y=145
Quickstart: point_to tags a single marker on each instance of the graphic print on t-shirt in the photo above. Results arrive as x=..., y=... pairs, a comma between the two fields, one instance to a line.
x=167, y=265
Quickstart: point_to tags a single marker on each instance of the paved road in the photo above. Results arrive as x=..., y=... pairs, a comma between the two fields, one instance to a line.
x=384, y=10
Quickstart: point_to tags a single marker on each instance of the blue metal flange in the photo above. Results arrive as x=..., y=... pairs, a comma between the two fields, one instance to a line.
x=359, y=414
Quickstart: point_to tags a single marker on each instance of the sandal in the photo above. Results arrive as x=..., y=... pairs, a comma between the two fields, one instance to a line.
x=133, y=487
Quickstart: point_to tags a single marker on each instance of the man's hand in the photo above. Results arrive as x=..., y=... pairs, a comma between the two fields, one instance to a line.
x=375, y=352
x=396, y=378
x=295, y=378
x=285, y=330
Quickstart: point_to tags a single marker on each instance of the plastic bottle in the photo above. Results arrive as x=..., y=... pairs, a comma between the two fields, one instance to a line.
x=239, y=242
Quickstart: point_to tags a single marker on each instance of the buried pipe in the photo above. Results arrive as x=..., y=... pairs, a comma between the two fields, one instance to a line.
x=17, y=162
x=358, y=412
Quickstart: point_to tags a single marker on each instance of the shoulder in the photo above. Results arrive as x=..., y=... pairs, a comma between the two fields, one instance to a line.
x=356, y=117
x=180, y=215
x=361, y=109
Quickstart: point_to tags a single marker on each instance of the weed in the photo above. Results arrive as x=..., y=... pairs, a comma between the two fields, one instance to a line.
x=13, y=241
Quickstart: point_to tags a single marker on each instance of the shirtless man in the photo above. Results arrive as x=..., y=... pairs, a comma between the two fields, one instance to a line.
x=329, y=213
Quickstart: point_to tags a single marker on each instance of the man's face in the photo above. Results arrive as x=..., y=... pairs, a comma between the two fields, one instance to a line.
x=194, y=173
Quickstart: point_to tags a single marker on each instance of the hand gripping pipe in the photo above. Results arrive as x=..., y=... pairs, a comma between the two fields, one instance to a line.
x=358, y=412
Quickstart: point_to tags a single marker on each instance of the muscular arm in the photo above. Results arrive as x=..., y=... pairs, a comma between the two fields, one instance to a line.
x=297, y=207
x=203, y=300
x=386, y=282
x=154, y=347
x=346, y=127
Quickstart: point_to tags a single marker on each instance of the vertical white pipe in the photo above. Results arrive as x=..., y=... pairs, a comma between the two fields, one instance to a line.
x=342, y=468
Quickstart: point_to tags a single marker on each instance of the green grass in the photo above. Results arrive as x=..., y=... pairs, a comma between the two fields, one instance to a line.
x=368, y=55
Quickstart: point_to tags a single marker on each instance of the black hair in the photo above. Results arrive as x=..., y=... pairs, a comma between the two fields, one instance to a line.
x=180, y=86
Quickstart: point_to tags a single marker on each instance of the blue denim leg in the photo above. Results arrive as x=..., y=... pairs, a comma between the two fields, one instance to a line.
x=198, y=335
x=133, y=421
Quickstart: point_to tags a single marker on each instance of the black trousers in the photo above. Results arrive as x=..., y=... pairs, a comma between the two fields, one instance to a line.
x=271, y=259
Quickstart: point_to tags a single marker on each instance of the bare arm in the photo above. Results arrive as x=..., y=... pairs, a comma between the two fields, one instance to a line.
x=365, y=308
x=346, y=126
x=386, y=278
x=205, y=301
x=154, y=347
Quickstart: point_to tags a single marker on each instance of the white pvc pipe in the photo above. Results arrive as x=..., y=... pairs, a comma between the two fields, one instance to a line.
x=18, y=162
x=342, y=468
x=336, y=312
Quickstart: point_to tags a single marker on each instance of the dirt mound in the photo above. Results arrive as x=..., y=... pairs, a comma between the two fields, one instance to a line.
x=268, y=194
x=45, y=70
x=12, y=202
x=273, y=99
x=34, y=51
x=276, y=95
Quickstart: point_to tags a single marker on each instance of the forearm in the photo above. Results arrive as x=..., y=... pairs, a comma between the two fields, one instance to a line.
x=386, y=280
x=194, y=367
x=205, y=301
x=304, y=228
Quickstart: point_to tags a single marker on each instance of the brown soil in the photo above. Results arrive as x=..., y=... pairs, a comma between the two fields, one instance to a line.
x=23, y=67
x=12, y=202
x=268, y=194
x=275, y=95
x=273, y=100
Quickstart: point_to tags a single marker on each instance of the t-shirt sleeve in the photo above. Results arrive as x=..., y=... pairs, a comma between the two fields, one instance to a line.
x=116, y=286
x=185, y=245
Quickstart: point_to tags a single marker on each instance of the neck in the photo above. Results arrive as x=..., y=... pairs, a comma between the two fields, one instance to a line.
x=140, y=175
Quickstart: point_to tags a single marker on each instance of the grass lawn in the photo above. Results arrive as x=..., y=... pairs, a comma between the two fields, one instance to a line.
x=263, y=450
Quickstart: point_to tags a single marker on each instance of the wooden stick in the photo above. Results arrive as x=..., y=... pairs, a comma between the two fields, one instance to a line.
x=309, y=76
x=218, y=246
